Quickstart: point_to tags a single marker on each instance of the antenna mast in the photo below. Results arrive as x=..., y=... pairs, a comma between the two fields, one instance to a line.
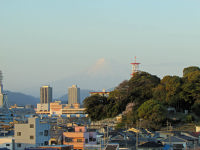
x=135, y=67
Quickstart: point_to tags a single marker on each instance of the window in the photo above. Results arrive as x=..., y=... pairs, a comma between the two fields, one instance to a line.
x=90, y=139
x=86, y=140
x=46, y=143
x=94, y=139
x=31, y=125
x=68, y=139
x=45, y=132
x=79, y=140
x=41, y=133
x=19, y=133
x=7, y=144
x=80, y=130
x=19, y=145
x=31, y=137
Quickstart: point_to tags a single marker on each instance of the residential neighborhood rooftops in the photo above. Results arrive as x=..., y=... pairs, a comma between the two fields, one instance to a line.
x=151, y=144
x=173, y=139
x=112, y=147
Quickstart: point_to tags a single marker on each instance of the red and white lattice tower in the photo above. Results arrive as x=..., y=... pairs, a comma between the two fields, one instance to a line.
x=135, y=67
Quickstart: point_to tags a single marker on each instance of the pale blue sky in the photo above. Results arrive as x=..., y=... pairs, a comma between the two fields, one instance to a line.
x=47, y=40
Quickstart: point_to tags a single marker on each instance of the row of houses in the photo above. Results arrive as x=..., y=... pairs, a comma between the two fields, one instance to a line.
x=36, y=133
x=42, y=134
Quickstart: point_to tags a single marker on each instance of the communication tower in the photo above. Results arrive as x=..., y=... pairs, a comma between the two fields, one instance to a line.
x=4, y=104
x=135, y=67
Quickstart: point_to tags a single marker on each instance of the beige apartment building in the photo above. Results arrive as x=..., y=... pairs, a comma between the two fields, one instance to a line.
x=73, y=95
x=31, y=134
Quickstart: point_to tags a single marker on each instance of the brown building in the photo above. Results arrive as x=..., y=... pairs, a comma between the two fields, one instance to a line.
x=79, y=138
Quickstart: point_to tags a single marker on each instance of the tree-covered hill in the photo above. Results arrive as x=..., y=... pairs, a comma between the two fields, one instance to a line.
x=149, y=97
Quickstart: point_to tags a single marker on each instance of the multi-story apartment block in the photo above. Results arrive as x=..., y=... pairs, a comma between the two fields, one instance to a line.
x=45, y=94
x=73, y=95
x=56, y=108
x=43, y=107
x=79, y=138
x=31, y=134
x=1, y=90
x=1, y=95
x=45, y=99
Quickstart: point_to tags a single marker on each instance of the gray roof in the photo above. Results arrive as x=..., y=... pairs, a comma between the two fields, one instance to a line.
x=173, y=139
x=112, y=146
x=186, y=137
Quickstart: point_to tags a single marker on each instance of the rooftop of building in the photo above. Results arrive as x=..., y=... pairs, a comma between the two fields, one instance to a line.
x=151, y=144
x=112, y=147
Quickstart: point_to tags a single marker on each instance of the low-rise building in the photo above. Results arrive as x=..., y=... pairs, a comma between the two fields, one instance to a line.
x=103, y=93
x=31, y=134
x=7, y=142
x=79, y=137
x=56, y=108
x=43, y=108
x=151, y=145
x=52, y=147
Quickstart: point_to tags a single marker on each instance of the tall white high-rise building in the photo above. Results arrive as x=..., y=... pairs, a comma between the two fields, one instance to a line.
x=73, y=95
x=1, y=95
x=45, y=94
x=1, y=90
x=45, y=98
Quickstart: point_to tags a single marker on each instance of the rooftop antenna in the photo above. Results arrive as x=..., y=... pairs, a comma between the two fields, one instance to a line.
x=6, y=104
x=135, y=67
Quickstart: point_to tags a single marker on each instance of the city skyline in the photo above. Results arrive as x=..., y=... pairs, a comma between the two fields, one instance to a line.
x=67, y=42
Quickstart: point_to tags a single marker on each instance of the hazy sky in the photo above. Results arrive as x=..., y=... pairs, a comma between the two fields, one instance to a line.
x=47, y=40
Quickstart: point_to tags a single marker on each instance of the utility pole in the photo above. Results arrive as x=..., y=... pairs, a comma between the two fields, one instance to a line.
x=136, y=136
x=107, y=134
x=100, y=142
x=104, y=138
x=170, y=127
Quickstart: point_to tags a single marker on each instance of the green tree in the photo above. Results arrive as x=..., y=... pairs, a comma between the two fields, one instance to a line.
x=168, y=91
x=191, y=88
x=95, y=107
x=189, y=70
x=152, y=112
x=141, y=87
x=117, y=99
x=196, y=107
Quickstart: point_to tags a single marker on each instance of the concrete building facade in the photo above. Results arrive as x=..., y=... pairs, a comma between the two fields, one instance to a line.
x=79, y=138
x=1, y=96
x=73, y=95
x=43, y=107
x=56, y=108
x=7, y=142
x=31, y=134
x=45, y=94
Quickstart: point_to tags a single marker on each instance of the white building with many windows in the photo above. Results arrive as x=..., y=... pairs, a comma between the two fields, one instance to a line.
x=31, y=134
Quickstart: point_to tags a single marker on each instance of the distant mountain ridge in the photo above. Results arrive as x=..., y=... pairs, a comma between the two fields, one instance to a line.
x=21, y=99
